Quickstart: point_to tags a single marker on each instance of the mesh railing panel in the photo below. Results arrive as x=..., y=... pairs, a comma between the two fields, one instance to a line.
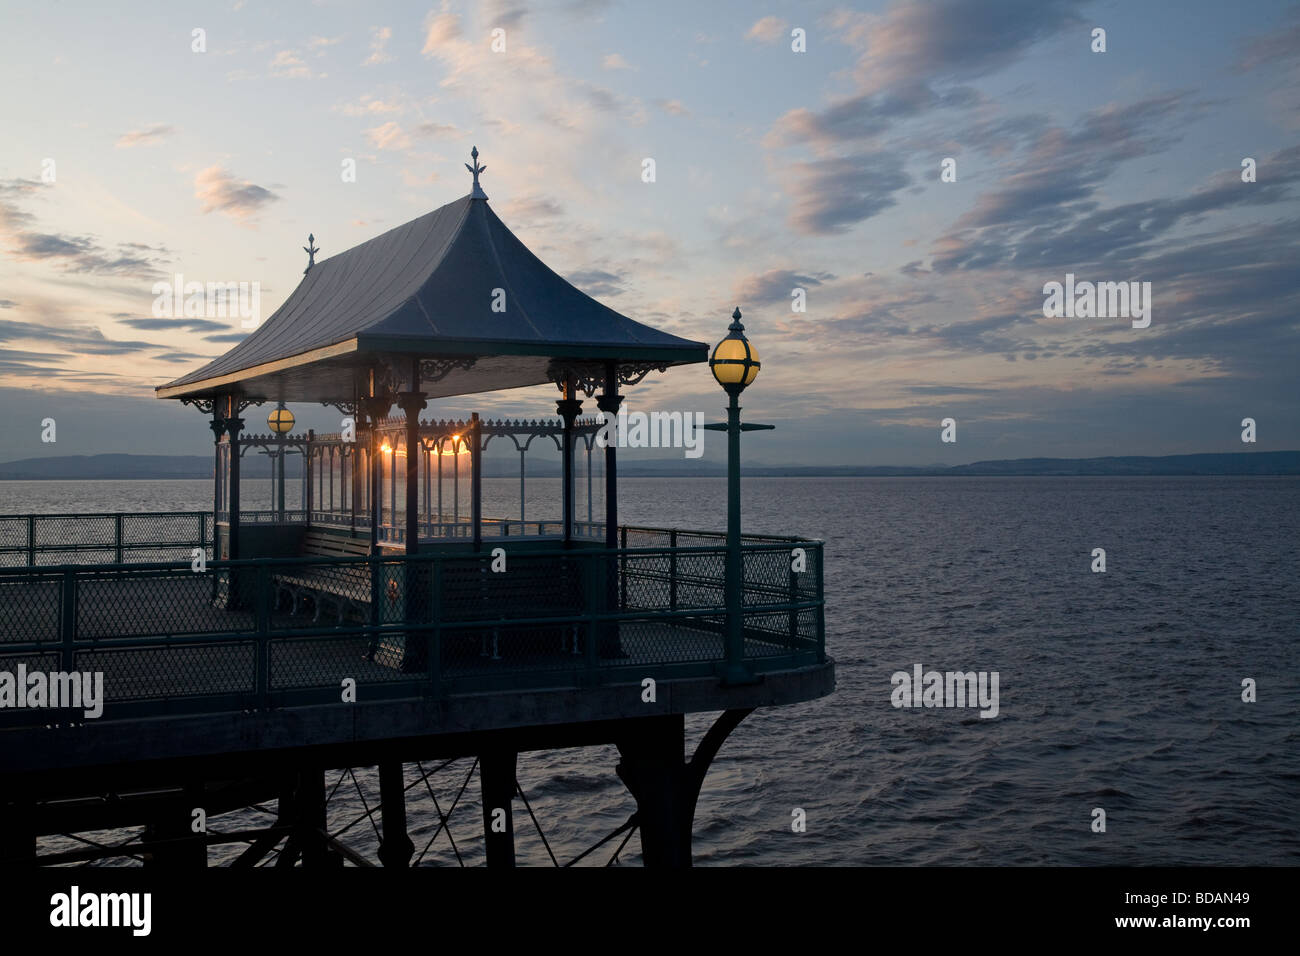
x=681, y=640
x=172, y=670
x=45, y=540
x=167, y=633
x=153, y=603
x=328, y=661
x=30, y=608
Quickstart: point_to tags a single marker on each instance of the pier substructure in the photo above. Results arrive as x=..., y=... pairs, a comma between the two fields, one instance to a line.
x=396, y=848
x=497, y=778
x=155, y=771
x=665, y=785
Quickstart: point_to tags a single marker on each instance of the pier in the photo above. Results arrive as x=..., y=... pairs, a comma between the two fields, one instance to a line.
x=254, y=655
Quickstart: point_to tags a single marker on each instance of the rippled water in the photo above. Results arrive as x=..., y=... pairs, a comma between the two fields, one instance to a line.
x=1119, y=690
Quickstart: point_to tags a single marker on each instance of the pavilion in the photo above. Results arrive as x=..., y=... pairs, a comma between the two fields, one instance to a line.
x=450, y=303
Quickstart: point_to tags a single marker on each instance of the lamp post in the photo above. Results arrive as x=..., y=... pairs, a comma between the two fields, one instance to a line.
x=735, y=365
x=280, y=421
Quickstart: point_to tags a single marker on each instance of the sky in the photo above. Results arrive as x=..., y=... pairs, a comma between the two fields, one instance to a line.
x=130, y=155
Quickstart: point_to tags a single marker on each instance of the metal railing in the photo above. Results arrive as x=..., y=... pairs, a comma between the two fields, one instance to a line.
x=110, y=538
x=121, y=537
x=266, y=633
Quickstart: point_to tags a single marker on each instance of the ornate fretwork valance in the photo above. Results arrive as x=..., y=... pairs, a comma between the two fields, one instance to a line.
x=436, y=369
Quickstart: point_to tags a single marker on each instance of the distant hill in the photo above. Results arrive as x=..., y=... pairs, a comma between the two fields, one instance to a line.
x=1231, y=463
x=256, y=466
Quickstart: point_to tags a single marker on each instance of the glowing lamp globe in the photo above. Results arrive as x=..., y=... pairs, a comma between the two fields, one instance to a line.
x=734, y=362
x=280, y=421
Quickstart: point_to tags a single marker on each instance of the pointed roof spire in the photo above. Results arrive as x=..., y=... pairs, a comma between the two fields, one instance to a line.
x=477, y=192
x=311, y=251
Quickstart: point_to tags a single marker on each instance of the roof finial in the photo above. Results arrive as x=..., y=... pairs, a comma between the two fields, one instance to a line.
x=311, y=251
x=477, y=192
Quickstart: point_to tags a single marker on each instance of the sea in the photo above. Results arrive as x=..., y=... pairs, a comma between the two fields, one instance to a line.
x=1120, y=691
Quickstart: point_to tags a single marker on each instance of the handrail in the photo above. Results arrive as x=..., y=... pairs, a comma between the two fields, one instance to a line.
x=436, y=623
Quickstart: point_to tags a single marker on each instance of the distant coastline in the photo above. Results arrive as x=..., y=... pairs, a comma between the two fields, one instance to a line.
x=161, y=467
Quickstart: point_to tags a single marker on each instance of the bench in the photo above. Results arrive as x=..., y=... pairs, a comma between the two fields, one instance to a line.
x=342, y=587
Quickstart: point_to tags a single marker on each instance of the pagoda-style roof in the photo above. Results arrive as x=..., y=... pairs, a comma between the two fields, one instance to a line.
x=427, y=290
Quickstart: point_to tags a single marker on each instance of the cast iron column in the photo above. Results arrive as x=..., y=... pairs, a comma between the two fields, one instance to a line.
x=412, y=402
x=376, y=407
x=279, y=478
x=608, y=402
x=416, y=589
x=233, y=425
x=476, y=479
x=568, y=409
x=218, y=426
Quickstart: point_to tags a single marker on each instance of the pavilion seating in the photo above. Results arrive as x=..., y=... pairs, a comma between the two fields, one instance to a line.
x=343, y=588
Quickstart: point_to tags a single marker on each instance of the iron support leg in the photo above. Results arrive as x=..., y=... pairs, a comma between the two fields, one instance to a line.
x=17, y=838
x=497, y=778
x=309, y=819
x=665, y=786
x=179, y=846
x=653, y=770
x=396, y=848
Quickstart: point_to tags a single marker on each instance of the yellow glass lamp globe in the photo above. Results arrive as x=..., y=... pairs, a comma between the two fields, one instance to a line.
x=280, y=421
x=734, y=362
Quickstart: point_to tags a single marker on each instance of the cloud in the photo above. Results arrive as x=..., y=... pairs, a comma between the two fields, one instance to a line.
x=145, y=137
x=1280, y=44
x=173, y=355
x=320, y=44
x=831, y=195
x=614, y=61
x=532, y=207
x=863, y=116
x=776, y=285
x=177, y=324
x=440, y=29
x=8, y=304
x=949, y=390
x=288, y=64
x=907, y=53
x=389, y=136
x=673, y=107
x=1066, y=166
x=439, y=130
x=77, y=254
x=507, y=14
x=597, y=282
x=918, y=42
x=369, y=106
x=379, y=37
x=1045, y=212
x=75, y=338
x=767, y=30
x=219, y=191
